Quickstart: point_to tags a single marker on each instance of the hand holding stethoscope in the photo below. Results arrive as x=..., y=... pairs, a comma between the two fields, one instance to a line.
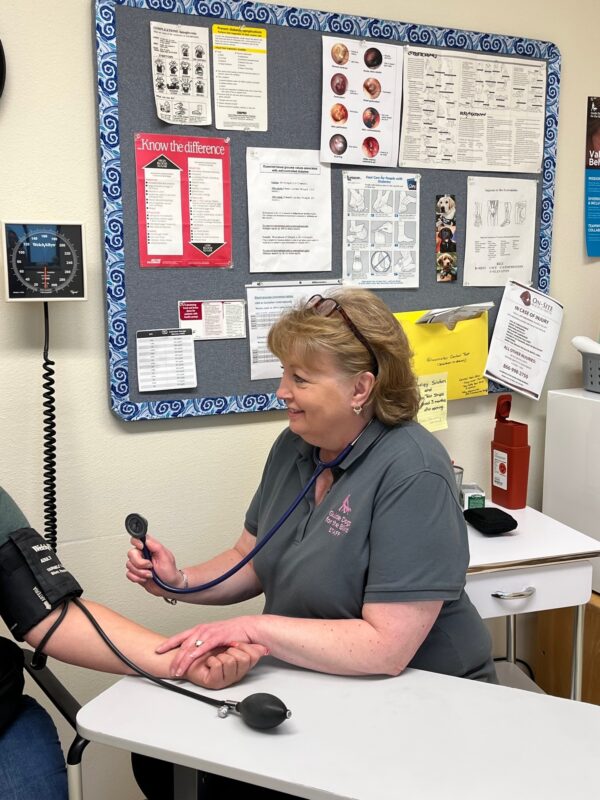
x=139, y=569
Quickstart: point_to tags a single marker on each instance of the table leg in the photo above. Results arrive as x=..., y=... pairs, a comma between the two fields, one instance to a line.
x=185, y=782
x=511, y=638
x=577, y=660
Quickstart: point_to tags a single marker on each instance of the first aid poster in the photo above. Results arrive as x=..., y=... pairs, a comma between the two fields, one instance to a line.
x=184, y=201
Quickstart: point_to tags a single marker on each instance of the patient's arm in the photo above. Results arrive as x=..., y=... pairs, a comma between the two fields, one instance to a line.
x=76, y=642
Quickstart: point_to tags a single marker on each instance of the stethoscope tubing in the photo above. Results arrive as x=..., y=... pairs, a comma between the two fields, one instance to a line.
x=321, y=467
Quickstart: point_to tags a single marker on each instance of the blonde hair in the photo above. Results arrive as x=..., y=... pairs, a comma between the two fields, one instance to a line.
x=302, y=333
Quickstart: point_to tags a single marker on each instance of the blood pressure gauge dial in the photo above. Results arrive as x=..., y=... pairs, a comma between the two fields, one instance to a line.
x=44, y=261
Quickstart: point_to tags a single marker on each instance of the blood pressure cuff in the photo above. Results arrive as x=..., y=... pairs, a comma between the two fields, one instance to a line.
x=33, y=582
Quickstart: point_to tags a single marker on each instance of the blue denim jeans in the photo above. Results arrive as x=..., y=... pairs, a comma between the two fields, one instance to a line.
x=32, y=764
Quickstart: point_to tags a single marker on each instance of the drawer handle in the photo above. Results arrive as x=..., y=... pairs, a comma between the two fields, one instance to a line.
x=526, y=592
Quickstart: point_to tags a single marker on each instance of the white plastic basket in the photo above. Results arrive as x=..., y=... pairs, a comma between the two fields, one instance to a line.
x=591, y=371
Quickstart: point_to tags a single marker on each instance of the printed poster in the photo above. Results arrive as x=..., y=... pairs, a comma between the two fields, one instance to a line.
x=289, y=210
x=524, y=339
x=181, y=73
x=381, y=229
x=184, y=201
x=472, y=111
x=500, y=240
x=361, y=101
x=592, y=178
x=240, y=77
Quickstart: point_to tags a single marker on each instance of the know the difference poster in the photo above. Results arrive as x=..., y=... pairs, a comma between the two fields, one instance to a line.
x=184, y=201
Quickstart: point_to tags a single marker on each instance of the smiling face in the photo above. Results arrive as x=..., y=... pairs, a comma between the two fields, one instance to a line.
x=320, y=401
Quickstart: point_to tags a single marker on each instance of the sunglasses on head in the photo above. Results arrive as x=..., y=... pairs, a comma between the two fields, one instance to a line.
x=326, y=306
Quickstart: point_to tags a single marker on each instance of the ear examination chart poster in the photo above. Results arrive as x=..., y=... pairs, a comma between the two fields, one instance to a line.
x=184, y=201
x=362, y=95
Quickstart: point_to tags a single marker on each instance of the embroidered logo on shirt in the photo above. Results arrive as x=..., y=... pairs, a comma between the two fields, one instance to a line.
x=339, y=523
x=345, y=507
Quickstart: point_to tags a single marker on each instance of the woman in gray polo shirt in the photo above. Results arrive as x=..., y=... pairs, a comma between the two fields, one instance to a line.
x=367, y=575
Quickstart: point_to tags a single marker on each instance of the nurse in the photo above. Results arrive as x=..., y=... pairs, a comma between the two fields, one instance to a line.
x=367, y=575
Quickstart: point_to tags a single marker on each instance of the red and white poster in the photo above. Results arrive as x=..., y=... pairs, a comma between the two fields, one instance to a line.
x=184, y=201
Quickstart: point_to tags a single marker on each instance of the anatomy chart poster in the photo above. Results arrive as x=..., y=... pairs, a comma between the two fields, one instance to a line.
x=472, y=112
x=184, y=201
x=381, y=230
x=500, y=231
x=362, y=94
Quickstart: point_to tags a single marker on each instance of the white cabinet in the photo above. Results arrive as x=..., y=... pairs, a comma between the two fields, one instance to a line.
x=572, y=463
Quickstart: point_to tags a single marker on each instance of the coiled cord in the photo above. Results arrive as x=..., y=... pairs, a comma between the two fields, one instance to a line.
x=49, y=426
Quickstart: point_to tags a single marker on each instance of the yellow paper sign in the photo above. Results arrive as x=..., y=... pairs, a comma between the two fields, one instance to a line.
x=433, y=413
x=461, y=352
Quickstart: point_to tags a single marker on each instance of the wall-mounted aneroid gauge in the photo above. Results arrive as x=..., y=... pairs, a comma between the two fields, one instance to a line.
x=44, y=261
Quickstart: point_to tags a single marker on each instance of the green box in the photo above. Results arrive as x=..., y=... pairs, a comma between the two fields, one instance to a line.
x=472, y=496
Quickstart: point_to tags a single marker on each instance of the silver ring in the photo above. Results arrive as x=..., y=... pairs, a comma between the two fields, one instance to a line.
x=198, y=643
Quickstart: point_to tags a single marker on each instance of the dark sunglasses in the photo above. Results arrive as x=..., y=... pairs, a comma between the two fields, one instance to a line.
x=325, y=307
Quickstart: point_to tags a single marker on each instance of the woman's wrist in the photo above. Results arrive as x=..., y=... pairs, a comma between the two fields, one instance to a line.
x=182, y=583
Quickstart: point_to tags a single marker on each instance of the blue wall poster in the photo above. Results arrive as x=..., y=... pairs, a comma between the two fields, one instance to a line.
x=592, y=178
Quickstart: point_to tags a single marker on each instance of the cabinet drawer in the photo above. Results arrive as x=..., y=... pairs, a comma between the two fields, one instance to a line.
x=543, y=587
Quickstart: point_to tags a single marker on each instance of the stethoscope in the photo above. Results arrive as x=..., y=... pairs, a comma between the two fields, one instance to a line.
x=137, y=527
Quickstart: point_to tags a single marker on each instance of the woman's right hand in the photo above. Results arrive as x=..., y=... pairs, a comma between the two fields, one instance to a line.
x=139, y=569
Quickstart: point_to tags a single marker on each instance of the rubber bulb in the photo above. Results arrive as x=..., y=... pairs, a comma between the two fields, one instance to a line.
x=263, y=711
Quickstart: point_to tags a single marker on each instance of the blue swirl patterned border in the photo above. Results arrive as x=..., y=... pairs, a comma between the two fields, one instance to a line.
x=108, y=102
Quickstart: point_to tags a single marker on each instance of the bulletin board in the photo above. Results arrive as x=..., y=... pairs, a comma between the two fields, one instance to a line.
x=140, y=299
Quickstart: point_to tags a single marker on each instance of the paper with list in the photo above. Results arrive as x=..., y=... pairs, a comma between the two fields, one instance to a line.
x=165, y=359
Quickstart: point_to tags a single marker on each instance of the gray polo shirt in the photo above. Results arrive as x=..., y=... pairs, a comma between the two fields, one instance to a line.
x=390, y=529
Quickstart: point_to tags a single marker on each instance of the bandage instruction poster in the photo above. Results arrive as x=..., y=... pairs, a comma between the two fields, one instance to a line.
x=469, y=111
x=524, y=339
x=381, y=229
x=361, y=101
x=500, y=234
x=289, y=210
x=181, y=73
x=266, y=303
x=184, y=201
x=240, y=77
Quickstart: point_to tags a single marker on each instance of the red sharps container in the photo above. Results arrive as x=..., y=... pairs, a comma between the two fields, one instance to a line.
x=510, y=458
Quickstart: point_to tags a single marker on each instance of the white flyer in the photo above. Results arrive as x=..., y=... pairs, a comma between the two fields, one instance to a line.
x=181, y=73
x=240, y=77
x=213, y=319
x=381, y=229
x=165, y=359
x=289, y=210
x=266, y=303
x=472, y=111
x=524, y=339
x=500, y=232
x=361, y=101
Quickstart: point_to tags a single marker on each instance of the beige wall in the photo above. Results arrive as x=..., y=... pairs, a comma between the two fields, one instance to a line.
x=193, y=479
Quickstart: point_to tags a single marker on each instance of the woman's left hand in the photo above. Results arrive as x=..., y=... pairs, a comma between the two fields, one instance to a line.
x=201, y=639
x=226, y=667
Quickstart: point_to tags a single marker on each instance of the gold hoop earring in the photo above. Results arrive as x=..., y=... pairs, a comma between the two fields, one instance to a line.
x=357, y=410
